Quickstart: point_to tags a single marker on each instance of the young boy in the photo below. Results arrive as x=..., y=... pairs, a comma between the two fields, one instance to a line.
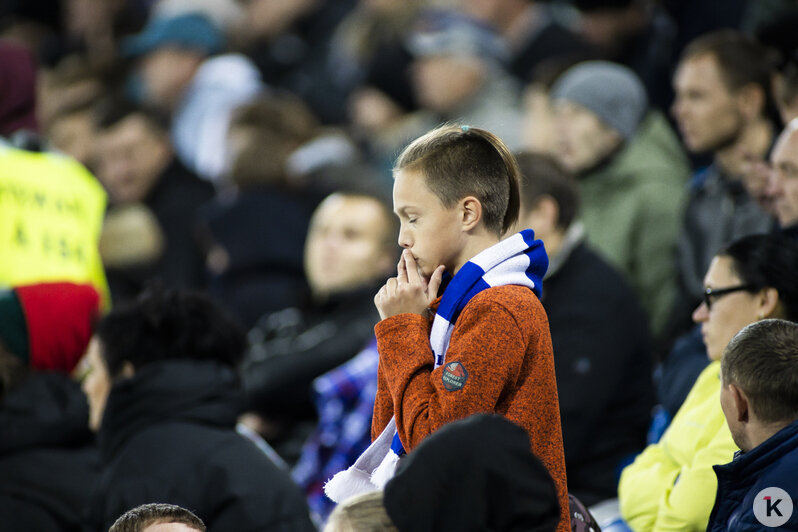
x=484, y=345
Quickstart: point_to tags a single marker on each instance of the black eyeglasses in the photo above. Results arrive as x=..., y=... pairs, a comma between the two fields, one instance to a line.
x=710, y=293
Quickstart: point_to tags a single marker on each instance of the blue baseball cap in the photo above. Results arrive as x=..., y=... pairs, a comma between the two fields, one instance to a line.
x=191, y=31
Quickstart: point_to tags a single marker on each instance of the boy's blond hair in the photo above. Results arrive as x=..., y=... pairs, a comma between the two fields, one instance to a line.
x=459, y=161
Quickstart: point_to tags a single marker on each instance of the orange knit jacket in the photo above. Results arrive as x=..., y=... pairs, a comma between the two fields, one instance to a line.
x=502, y=343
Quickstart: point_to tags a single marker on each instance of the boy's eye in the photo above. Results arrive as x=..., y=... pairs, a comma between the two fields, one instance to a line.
x=411, y=220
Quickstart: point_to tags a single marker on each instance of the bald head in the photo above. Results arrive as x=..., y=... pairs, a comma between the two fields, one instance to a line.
x=783, y=184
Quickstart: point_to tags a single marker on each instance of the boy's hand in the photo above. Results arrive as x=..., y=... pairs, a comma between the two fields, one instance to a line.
x=409, y=291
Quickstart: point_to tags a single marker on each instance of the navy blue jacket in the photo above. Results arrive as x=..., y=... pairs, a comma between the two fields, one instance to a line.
x=774, y=463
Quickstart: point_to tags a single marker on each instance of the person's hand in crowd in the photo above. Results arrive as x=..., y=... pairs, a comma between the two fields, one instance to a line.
x=409, y=291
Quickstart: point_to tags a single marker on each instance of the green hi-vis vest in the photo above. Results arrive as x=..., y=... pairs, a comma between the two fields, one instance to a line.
x=51, y=215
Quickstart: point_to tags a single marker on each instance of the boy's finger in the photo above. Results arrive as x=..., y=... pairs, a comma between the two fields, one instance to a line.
x=435, y=282
x=401, y=269
x=411, y=269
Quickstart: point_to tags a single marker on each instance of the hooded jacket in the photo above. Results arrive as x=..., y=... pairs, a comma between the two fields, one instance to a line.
x=168, y=436
x=47, y=458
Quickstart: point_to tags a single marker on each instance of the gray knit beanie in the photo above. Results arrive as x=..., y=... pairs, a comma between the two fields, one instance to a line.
x=611, y=91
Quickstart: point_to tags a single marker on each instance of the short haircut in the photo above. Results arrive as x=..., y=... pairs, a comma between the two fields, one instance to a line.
x=168, y=324
x=363, y=191
x=459, y=161
x=740, y=58
x=110, y=111
x=361, y=512
x=762, y=360
x=542, y=175
x=768, y=261
x=141, y=517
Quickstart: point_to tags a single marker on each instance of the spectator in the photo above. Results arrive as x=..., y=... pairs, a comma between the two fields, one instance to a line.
x=137, y=166
x=783, y=183
x=162, y=396
x=254, y=236
x=722, y=94
x=348, y=253
x=505, y=487
x=344, y=400
x=459, y=74
x=484, y=345
x=47, y=453
x=671, y=485
x=636, y=33
x=179, y=74
x=290, y=44
x=631, y=173
x=601, y=341
x=147, y=517
x=18, y=95
x=758, y=377
x=532, y=30
x=72, y=131
x=722, y=85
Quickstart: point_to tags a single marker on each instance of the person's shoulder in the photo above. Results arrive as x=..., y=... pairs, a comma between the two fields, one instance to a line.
x=516, y=300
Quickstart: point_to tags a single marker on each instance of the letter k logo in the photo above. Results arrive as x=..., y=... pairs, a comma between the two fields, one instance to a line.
x=772, y=507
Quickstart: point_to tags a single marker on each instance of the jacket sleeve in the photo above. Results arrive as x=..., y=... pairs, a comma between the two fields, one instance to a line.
x=641, y=486
x=659, y=220
x=656, y=495
x=687, y=505
x=486, y=342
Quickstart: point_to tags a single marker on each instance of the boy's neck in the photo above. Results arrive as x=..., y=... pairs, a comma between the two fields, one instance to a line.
x=476, y=243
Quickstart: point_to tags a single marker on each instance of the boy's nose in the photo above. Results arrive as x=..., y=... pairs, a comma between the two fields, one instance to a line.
x=404, y=241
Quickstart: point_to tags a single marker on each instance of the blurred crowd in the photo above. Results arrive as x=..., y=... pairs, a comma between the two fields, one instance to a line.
x=196, y=215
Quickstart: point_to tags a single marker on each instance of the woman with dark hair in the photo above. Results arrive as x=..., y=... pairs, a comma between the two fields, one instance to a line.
x=163, y=396
x=672, y=484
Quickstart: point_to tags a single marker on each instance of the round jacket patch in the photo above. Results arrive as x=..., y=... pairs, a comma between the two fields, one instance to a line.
x=454, y=376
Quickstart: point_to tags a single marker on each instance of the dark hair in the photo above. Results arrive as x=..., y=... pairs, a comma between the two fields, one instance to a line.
x=542, y=175
x=762, y=360
x=165, y=324
x=740, y=58
x=768, y=261
x=141, y=517
x=459, y=161
x=110, y=111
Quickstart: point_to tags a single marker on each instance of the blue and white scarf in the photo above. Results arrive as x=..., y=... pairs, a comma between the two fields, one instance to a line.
x=516, y=260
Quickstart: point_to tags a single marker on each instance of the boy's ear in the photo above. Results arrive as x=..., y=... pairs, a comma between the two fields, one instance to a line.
x=471, y=211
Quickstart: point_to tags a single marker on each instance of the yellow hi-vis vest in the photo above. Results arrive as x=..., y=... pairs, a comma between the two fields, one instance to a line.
x=51, y=215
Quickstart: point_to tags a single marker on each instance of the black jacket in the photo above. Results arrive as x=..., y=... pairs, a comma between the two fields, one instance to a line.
x=602, y=360
x=292, y=347
x=168, y=435
x=174, y=201
x=47, y=455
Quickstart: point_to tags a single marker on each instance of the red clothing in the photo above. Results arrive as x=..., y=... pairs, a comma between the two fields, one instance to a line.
x=502, y=341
